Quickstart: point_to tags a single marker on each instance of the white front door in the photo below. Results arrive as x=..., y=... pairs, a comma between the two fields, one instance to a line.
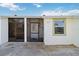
x=34, y=31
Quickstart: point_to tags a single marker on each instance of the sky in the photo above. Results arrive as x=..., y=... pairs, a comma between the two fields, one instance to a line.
x=39, y=9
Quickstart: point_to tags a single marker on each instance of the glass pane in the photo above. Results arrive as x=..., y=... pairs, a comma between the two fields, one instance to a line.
x=59, y=23
x=59, y=30
x=59, y=26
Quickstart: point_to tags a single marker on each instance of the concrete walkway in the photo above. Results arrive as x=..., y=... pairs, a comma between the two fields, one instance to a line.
x=36, y=49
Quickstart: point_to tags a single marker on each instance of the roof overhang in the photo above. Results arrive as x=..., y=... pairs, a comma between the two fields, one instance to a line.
x=40, y=16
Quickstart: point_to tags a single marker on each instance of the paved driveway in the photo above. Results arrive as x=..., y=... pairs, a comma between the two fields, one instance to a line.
x=37, y=49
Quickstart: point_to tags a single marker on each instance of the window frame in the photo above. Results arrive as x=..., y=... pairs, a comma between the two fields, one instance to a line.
x=55, y=19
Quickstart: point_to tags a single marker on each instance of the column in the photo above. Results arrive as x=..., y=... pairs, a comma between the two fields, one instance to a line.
x=25, y=29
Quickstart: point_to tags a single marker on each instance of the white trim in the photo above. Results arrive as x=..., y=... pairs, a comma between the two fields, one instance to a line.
x=25, y=30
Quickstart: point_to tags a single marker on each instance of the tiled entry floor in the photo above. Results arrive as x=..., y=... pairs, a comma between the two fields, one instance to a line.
x=36, y=49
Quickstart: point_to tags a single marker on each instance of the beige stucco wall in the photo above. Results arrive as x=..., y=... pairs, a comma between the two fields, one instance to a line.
x=74, y=31
x=71, y=36
x=50, y=38
x=3, y=30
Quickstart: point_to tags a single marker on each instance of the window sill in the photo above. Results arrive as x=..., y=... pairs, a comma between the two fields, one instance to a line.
x=59, y=34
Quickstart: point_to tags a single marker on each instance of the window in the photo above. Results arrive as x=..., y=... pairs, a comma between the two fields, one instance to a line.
x=59, y=26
